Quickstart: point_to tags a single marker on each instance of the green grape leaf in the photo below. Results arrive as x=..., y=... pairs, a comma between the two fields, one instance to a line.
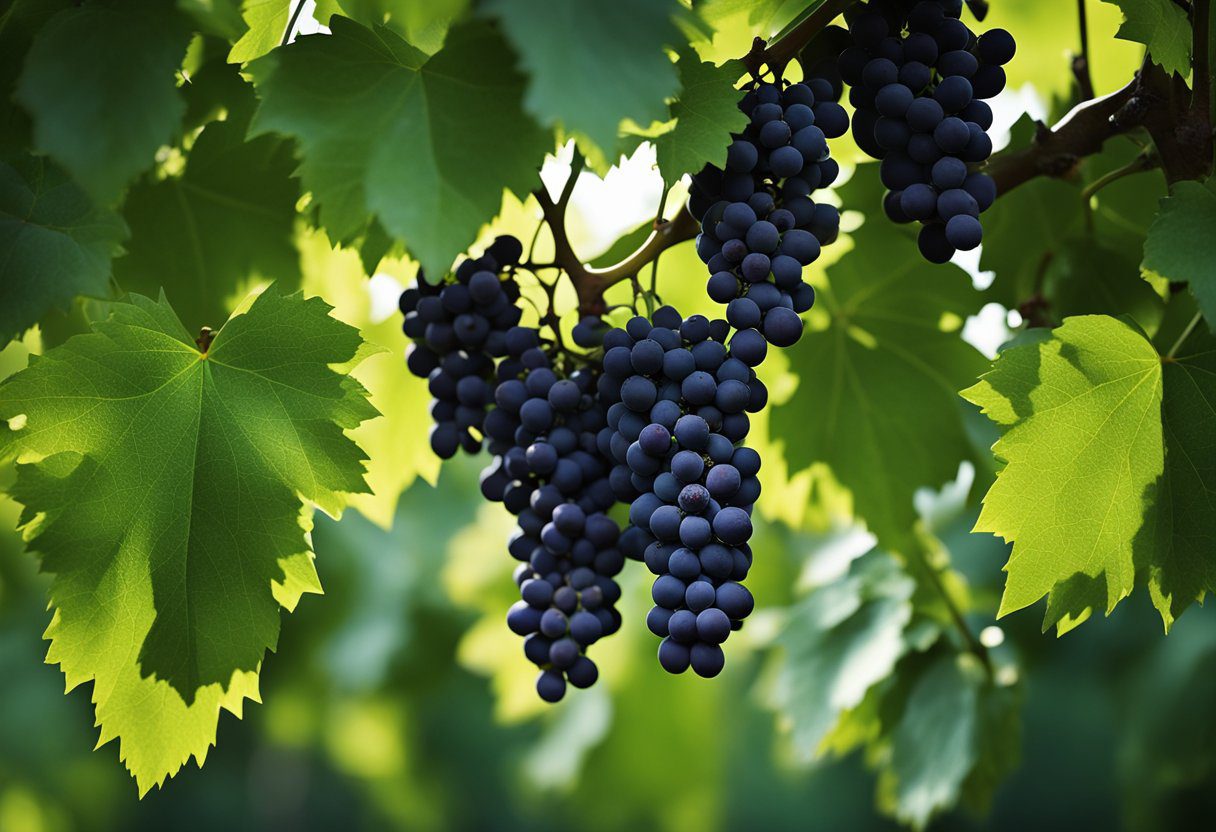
x=266, y=21
x=593, y=64
x=1097, y=494
x=56, y=243
x=1182, y=536
x=706, y=113
x=228, y=216
x=1083, y=278
x=424, y=23
x=878, y=369
x=99, y=84
x=1180, y=244
x=956, y=736
x=1022, y=232
x=425, y=144
x=1123, y=209
x=1081, y=446
x=221, y=18
x=1162, y=26
x=162, y=489
x=838, y=642
x=19, y=23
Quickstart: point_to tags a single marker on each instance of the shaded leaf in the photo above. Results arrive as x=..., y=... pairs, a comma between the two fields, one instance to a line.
x=1084, y=278
x=876, y=397
x=227, y=217
x=1183, y=536
x=385, y=130
x=956, y=737
x=837, y=643
x=1181, y=245
x=593, y=64
x=56, y=243
x=99, y=84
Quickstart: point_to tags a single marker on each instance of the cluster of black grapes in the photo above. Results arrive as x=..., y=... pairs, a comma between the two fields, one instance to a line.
x=459, y=327
x=655, y=414
x=680, y=402
x=918, y=76
x=555, y=480
x=759, y=224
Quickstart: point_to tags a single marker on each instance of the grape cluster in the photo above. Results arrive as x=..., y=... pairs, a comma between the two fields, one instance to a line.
x=756, y=253
x=759, y=223
x=785, y=139
x=458, y=328
x=554, y=479
x=918, y=76
x=681, y=398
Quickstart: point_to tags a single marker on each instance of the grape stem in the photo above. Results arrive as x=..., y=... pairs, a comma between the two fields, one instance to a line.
x=291, y=24
x=1080, y=61
x=590, y=284
x=1186, y=333
x=1145, y=160
x=777, y=54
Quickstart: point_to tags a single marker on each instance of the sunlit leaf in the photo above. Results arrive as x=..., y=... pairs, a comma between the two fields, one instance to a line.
x=162, y=490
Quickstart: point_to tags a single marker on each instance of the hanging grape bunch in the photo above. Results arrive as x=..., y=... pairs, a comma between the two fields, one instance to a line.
x=655, y=414
x=555, y=481
x=759, y=223
x=675, y=433
x=918, y=78
x=459, y=327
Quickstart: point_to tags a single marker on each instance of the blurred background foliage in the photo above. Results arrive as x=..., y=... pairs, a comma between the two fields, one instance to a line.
x=399, y=699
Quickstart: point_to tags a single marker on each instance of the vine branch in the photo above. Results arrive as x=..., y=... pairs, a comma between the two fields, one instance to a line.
x=590, y=284
x=1177, y=119
x=1056, y=151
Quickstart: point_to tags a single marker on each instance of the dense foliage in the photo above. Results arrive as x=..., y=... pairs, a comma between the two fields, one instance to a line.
x=825, y=456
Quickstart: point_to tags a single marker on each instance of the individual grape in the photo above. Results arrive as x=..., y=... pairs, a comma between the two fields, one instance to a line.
x=933, y=244
x=964, y=232
x=996, y=47
x=551, y=685
x=588, y=333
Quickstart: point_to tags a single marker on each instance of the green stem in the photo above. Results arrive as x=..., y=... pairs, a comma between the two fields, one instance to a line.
x=654, y=267
x=1142, y=162
x=973, y=644
x=1186, y=333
